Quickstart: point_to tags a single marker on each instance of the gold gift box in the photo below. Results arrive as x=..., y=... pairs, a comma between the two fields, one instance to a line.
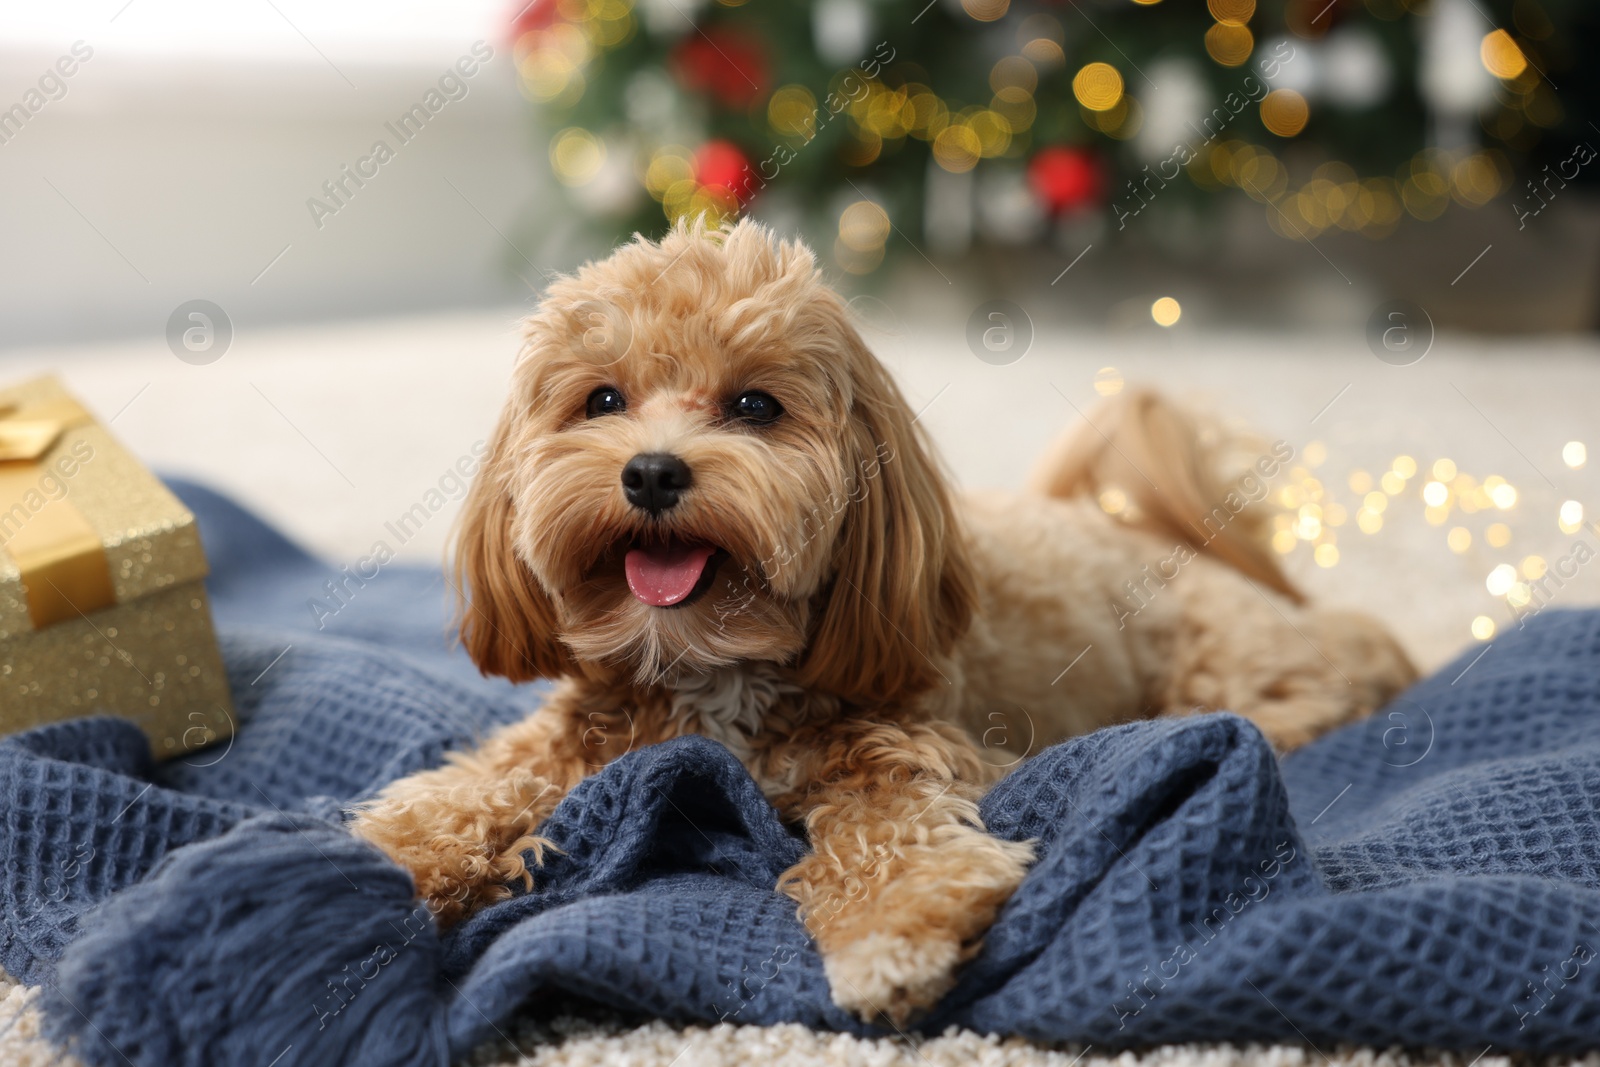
x=102, y=606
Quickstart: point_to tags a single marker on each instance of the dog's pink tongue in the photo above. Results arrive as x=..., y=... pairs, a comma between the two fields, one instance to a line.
x=663, y=575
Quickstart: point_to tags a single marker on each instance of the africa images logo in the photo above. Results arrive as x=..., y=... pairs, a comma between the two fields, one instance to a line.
x=1400, y=333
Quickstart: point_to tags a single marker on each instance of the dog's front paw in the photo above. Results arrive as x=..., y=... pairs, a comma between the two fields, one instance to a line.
x=464, y=848
x=455, y=878
x=892, y=947
x=894, y=977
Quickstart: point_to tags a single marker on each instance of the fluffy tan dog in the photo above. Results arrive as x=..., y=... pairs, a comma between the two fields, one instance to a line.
x=706, y=509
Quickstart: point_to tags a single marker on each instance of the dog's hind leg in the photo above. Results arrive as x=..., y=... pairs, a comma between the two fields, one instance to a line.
x=1296, y=673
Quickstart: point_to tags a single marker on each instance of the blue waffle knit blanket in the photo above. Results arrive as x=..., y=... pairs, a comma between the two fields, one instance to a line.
x=1428, y=877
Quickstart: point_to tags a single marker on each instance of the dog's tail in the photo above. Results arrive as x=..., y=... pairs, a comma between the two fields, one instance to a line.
x=1168, y=466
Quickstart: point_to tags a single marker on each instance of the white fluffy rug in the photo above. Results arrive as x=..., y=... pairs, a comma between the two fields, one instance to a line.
x=567, y=1041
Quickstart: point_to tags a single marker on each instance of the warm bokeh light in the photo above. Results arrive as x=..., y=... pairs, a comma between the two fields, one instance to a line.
x=1239, y=11
x=1166, y=311
x=1308, y=525
x=792, y=112
x=1097, y=86
x=1229, y=43
x=863, y=226
x=576, y=156
x=1284, y=112
x=1014, y=72
x=1501, y=56
x=957, y=148
x=670, y=166
x=1483, y=627
x=1574, y=454
x=992, y=131
x=1501, y=579
x=986, y=10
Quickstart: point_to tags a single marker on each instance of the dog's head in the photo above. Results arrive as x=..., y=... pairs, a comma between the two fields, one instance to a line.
x=700, y=464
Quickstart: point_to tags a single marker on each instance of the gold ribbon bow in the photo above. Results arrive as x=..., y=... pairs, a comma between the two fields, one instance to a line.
x=61, y=557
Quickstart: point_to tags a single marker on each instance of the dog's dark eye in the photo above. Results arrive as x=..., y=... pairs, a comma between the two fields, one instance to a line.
x=755, y=406
x=606, y=401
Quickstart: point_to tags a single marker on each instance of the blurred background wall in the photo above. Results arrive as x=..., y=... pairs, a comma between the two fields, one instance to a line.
x=179, y=157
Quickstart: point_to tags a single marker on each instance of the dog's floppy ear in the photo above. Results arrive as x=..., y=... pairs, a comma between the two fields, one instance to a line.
x=903, y=589
x=508, y=624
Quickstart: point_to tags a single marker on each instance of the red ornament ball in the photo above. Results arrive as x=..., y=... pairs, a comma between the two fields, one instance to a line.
x=731, y=67
x=539, y=15
x=1065, y=179
x=722, y=165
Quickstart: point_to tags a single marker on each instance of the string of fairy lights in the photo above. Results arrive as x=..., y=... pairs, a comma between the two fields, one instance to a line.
x=887, y=111
x=1312, y=508
x=1465, y=508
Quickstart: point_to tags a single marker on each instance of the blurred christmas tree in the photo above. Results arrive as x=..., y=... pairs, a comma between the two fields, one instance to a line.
x=1002, y=121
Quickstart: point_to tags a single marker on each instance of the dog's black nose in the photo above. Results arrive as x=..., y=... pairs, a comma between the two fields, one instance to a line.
x=653, y=481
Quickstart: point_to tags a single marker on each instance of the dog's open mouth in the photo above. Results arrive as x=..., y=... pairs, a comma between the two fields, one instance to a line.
x=673, y=573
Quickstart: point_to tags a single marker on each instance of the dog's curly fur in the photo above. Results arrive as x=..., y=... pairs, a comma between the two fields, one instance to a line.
x=874, y=652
